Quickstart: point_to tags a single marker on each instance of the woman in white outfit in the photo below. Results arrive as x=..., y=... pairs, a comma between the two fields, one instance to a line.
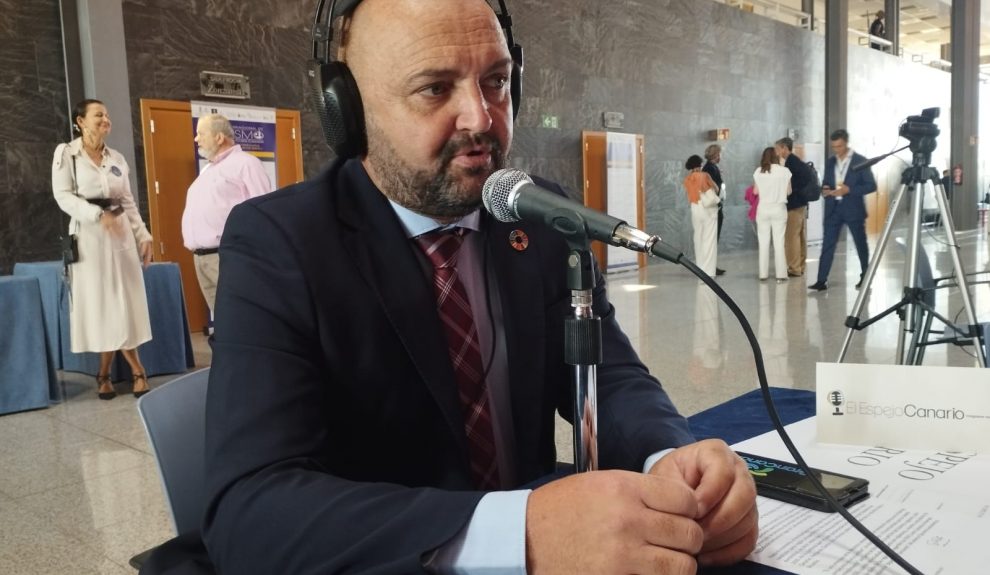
x=703, y=219
x=109, y=308
x=772, y=184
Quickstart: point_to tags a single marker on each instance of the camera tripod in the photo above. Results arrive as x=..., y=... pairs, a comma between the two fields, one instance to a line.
x=913, y=306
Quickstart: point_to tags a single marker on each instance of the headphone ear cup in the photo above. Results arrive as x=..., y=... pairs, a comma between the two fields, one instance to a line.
x=515, y=86
x=341, y=112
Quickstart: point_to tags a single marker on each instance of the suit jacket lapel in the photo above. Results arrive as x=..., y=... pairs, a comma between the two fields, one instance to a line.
x=380, y=249
x=520, y=285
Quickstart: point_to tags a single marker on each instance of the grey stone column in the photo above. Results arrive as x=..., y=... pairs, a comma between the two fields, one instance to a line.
x=892, y=22
x=103, y=56
x=836, y=65
x=69, y=16
x=965, y=108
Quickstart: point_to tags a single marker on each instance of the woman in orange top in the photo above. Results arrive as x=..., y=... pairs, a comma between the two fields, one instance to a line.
x=704, y=220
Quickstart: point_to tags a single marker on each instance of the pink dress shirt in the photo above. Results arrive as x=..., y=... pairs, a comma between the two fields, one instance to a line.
x=232, y=177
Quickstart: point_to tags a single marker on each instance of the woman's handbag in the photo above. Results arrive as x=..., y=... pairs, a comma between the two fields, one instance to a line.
x=70, y=249
x=708, y=199
x=70, y=243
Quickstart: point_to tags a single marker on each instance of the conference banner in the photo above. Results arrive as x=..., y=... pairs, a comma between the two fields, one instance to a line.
x=620, y=158
x=254, y=130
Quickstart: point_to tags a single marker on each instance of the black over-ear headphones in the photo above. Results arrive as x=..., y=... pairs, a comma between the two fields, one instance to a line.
x=337, y=98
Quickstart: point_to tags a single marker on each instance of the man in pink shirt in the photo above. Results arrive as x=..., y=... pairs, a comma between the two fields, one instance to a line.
x=231, y=177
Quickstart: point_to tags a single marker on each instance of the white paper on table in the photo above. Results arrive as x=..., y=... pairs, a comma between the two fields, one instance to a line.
x=965, y=474
x=940, y=524
x=811, y=542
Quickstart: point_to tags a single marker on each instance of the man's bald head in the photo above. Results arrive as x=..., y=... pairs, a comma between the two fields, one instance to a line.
x=433, y=77
x=378, y=28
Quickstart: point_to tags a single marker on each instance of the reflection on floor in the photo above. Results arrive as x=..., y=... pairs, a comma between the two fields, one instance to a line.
x=79, y=492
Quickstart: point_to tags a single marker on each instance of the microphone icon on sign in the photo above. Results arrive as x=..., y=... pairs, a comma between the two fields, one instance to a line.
x=837, y=399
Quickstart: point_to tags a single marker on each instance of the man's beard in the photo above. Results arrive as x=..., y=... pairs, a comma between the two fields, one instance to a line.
x=437, y=191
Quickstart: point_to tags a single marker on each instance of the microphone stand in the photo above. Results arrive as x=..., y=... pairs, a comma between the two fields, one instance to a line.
x=582, y=335
x=583, y=351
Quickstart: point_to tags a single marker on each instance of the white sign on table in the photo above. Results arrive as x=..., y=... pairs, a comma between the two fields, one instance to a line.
x=904, y=406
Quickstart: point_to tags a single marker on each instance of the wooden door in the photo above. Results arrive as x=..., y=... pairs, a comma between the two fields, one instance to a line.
x=288, y=137
x=170, y=168
x=594, y=158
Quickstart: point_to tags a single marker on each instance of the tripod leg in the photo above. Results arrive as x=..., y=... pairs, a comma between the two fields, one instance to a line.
x=924, y=337
x=950, y=233
x=852, y=321
x=909, y=316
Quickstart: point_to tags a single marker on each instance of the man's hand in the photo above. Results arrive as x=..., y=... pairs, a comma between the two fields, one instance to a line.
x=842, y=190
x=726, y=497
x=608, y=522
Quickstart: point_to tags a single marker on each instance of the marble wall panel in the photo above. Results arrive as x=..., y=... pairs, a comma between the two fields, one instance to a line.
x=32, y=94
x=675, y=68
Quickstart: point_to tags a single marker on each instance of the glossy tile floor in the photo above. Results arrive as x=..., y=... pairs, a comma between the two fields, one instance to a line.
x=79, y=492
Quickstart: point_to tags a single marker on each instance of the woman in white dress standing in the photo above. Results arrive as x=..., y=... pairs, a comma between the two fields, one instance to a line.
x=772, y=184
x=704, y=219
x=109, y=308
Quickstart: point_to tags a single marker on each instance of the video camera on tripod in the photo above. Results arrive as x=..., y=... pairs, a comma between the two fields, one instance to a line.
x=921, y=131
x=916, y=308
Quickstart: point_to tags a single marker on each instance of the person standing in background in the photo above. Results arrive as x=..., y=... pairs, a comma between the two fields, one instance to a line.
x=109, y=309
x=231, y=177
x=703, y=219
x=877, y=29
x=796, y=234
x=772, y=185
x=844, y=190
x=713, y=155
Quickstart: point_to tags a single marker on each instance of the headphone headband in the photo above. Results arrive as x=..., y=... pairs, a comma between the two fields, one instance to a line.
x=338, y=100
x=323, y=25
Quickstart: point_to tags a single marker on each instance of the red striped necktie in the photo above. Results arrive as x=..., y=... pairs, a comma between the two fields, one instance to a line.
x=441, y=248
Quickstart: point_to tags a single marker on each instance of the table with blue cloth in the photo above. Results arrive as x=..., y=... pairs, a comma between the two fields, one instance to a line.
x=27, y=379
x=170, y=349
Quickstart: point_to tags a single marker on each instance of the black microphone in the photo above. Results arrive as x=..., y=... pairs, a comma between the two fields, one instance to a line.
x=868, y=163
x=871, y=162
x=510, y=196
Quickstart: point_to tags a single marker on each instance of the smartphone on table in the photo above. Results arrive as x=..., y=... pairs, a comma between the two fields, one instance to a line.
x=787, y=482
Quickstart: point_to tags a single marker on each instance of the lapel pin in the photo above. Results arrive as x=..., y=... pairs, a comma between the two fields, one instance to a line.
x=518, y=240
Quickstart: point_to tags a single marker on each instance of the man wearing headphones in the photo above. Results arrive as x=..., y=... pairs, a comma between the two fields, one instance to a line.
x=388, y=362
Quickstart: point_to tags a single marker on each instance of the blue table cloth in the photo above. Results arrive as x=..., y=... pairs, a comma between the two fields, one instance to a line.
x=27, y=371
x=170, y=349
x=49, y=276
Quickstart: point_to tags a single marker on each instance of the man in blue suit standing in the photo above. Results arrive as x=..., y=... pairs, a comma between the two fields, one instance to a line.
x=844, y=190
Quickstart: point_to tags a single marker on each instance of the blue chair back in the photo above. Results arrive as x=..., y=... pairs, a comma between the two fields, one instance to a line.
x=174, y=415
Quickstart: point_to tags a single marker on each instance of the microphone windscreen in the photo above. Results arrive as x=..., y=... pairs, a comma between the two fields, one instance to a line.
x=496, y=191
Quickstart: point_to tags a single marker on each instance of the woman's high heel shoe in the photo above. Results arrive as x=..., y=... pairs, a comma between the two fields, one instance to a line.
x=138, y=376
x=102, y=380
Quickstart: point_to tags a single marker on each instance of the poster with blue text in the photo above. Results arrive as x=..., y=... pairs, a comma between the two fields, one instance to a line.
x=254, y=131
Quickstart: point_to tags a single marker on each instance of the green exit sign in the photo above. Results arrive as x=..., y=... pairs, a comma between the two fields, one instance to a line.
x=548, y=121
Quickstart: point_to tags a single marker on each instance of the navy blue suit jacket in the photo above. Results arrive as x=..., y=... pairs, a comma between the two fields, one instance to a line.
x=853, y=206
x=335, y=441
